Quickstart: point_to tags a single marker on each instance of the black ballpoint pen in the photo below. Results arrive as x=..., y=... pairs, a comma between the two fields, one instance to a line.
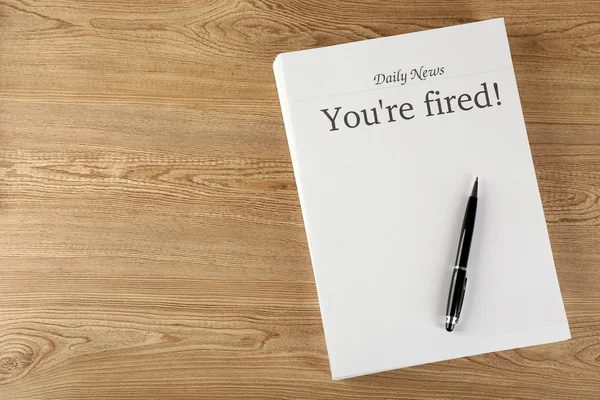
x=458, y=285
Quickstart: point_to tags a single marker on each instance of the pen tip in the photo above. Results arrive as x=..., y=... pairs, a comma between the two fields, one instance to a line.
x=449, y=327
x=475, y=186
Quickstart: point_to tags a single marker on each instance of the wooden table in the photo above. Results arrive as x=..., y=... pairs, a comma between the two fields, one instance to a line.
x=151, y=240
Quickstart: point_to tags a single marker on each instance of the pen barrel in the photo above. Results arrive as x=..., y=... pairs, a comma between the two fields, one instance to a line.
x=458, y=286
x=466, y=233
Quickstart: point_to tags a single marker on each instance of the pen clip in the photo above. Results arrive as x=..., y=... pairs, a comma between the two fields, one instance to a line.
x=460, y=303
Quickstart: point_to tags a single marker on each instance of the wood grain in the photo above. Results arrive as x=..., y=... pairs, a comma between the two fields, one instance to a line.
x=151, y=240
